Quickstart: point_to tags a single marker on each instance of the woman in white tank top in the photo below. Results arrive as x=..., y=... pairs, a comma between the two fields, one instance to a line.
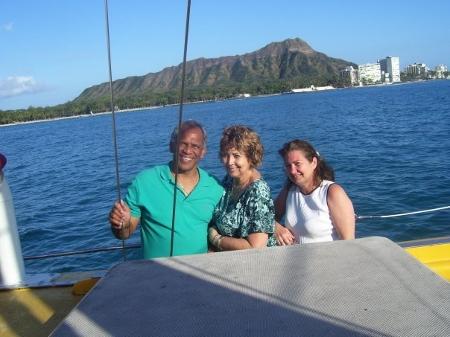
x=316, y=209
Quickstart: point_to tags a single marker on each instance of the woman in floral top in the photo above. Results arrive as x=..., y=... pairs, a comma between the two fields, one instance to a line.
x=244, y=217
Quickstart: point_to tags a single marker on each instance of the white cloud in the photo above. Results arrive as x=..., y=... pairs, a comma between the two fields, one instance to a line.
x=8, y=27
x=18, y=85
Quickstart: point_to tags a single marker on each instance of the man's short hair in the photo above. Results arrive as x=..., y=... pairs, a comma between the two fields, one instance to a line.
x=187, y=125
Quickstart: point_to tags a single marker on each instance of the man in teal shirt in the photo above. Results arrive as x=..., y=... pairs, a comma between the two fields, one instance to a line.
x=149, y=200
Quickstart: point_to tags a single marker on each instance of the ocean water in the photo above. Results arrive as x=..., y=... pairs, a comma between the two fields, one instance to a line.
x=389, y=146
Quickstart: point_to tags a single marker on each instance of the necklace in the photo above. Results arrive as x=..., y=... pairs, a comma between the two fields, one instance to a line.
x=186, y=184
x=236, y=192
x=313, y=188
x=238, y=188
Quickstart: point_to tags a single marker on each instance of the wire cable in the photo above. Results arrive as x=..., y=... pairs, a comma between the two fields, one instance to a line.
x=360, y=217
x=114, y=131
x=180, y=119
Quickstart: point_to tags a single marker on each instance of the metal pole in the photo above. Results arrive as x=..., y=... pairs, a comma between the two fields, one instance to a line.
x=180, y=119
x=114, y=136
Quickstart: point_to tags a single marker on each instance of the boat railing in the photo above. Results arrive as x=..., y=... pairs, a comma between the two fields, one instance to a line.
x=82, y=251
x=360, y=217
x=138, y=245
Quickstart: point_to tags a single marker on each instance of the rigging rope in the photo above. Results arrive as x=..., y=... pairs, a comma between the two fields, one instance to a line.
x=180, y=119
x=360, y=217
x=114, y=135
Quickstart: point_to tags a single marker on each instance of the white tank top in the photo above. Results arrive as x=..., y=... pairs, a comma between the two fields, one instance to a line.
x=308, y=216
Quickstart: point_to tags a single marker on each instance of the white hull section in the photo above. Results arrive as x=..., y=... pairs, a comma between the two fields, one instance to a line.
x=12, y=271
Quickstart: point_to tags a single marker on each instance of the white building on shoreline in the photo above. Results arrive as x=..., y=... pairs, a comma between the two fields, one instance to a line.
x=417, y=69
x=350, y=75
x=390, y=69
x=369, y=73
x=441, y=70
x=386, y=70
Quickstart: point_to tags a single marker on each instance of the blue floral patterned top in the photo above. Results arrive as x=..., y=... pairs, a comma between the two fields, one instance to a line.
x=252, y=212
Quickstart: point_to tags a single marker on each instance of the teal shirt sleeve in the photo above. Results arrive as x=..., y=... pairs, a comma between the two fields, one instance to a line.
x=132, y=198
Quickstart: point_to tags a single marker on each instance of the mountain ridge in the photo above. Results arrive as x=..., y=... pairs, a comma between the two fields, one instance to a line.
x=291, y=61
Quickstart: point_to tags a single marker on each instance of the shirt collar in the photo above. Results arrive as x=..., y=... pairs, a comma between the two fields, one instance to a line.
x=166, y=174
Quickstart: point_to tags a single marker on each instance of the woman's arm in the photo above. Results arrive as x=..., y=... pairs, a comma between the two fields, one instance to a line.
x=341, y=212
x=283, y=235
x=220, y=242
x=280, y=203
x=254, y=240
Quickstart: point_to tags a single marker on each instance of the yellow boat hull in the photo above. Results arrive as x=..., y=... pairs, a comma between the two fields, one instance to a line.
x=34, y=311
x=435, y=256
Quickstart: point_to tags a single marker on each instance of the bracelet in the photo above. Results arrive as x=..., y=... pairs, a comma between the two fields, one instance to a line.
x=216, y=241
x=219, y=247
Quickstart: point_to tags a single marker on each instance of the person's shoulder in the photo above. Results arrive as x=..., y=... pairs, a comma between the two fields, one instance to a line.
x=329, y=184
x=209, y=179
x=335, y=191
x=151, y=172
x=259, y=193
x=260, y=186
x=261, y=183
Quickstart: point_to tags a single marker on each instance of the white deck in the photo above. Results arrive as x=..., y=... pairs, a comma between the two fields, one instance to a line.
x=364, y=287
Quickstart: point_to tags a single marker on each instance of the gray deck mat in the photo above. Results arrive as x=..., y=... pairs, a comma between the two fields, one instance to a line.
x=364, y=287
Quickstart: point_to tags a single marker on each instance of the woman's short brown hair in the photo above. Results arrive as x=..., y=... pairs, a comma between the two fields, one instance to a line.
x=245, y=140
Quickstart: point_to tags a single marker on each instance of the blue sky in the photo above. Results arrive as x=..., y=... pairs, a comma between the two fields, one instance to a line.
x=51, y=50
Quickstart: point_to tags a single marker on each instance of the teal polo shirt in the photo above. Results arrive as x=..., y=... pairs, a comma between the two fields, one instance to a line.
x=150, y=198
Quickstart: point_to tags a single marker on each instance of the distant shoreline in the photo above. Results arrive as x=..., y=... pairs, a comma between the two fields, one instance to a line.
x=78, y=116
x=208, y=101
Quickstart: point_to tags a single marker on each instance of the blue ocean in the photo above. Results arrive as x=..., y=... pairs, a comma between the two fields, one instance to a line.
x=389, y=146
